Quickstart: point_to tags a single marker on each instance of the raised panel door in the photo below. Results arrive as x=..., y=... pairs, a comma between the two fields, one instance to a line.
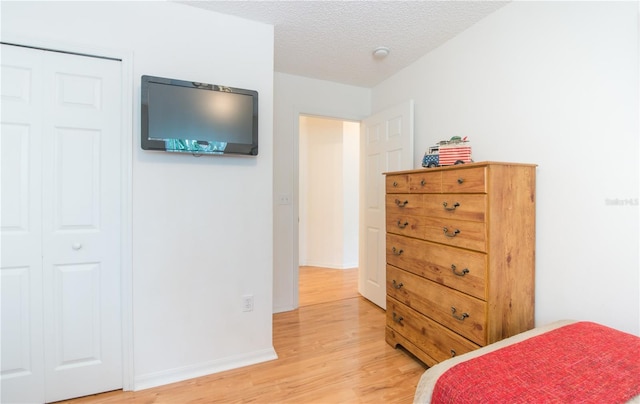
x=387, y=146
x=61, y=133
x=22, y=373
x=81, y=226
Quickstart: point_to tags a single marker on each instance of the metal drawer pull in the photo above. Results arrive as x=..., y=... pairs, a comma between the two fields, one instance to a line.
x=395, y=251
x=395, y=184
x=396, y=285
x=397, y=319
x=453, y=353
x=446, y=232
x=454, y=269
x=461, y=318
x=402, y=225
x=401, y=204
x=455, y=205
x=423, y=182
x=460, y=180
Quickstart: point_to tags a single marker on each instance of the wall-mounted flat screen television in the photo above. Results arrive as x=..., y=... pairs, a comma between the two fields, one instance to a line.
x=198, y=118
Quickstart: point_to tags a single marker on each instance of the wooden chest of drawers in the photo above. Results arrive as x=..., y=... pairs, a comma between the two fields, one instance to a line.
x=460, y=257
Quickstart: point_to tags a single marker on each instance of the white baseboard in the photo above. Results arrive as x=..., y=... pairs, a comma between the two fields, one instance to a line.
x=156, y=379
x=282, y=309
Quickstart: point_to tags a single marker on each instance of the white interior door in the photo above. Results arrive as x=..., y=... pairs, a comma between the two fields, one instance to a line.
x=387, y=146
x=70, y=153
x=21, y=227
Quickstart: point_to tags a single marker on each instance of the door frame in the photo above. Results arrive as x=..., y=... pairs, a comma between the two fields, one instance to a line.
x=297, y=112
x=126, y=274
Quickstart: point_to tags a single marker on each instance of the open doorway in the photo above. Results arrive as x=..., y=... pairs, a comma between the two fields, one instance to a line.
x=328, y=206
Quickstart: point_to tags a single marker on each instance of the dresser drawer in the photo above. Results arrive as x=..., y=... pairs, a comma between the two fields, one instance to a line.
x=406, y=225
x=404, y=204
x=397, y=183
x=425, y=182
x=403, y=212
x=435, y=340
x=457, y=233
x=455, y=206
x=464, y=180
x=462, y=270
x=463, y=314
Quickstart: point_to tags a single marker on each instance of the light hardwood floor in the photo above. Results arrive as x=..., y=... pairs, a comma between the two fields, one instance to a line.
x=323, y=285
x=330, y=350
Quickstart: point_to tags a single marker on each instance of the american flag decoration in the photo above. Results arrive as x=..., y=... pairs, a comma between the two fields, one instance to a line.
x=451, y=153
x=448, y=152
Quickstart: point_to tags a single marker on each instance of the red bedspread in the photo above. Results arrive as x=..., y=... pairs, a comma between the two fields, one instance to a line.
x=582, y=362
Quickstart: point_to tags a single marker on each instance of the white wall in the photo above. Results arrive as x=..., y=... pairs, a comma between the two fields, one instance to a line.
x=295, y=95
x=328, y=193
x=556, y=84
x=303, y=172
x=202, y=227
x=320, y=193
x=351, y=201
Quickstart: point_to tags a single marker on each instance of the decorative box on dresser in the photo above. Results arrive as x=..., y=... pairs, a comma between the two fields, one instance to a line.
x=460, y=257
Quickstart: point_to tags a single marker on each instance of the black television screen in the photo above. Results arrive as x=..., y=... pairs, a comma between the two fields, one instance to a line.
x=198, y=118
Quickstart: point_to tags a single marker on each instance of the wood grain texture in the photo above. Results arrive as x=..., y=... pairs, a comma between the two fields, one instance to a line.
x=512, y=214
x=331, y=350
x=490, y=234
x=440, y=263
x=322, y=285
x=433, y=339
x=436, y=301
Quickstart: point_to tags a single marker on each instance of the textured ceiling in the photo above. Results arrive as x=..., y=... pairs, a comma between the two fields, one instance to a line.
x=334, y=40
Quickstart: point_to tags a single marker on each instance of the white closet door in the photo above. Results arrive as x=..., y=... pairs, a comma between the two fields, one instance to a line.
x=80, y=226
x=22, y=373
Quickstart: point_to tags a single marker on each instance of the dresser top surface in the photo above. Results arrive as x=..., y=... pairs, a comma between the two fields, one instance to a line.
x=459, y=166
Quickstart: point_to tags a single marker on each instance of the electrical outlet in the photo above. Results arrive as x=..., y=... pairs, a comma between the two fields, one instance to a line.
x=247, y=303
